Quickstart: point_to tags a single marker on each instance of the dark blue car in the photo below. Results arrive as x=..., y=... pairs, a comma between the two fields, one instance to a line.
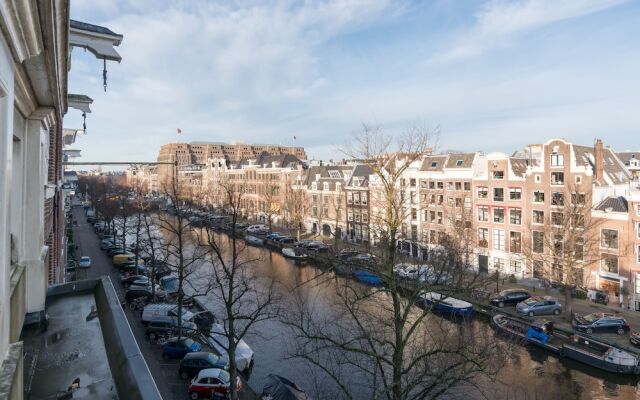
x=178, y=347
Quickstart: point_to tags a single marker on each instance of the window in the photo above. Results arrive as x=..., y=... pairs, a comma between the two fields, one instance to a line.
x=325, y=199
x=609, y=239
x=314, y=211
x=538, y=217
x=414, y=232
x=349, y=215
x=338, y=186
x=557, y=199
x=432, y=185
x=538, y=242
x=483, y=237
x=609, y=263
x=459, y=163
x=498, y=239
x=515, y=194
x=334, y=174
x=325, y=186
x=433, y=216
x=458, y=185
x=459, y=202
x=516, y=266
x=538, y=196
x=515, y=216
x=498, y=215
x=578, y=179
x=440, y=185
x=557, y=218
x=578, y=199
x=440, y=199
x=578, y=249
x=363, y=199
x=515, y=242
x=538, y=179
x=314, y=186
x=449, y=185
x=638, y=254
x=498, y=194
x=638, y=230
x=558, y=245
x=638, y=210
x=350, y=198
x=557, y=160
x=467, y=186
x=483, y=214
x=498, y=175
x=434, y=164
x=498, y=264
x=412, y=182
x=439, y=220
x=483, y=193
x=557, y=178
x=414, y=214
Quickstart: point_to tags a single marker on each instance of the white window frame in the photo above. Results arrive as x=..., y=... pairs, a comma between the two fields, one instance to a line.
x=557, y=160
x=498, y=239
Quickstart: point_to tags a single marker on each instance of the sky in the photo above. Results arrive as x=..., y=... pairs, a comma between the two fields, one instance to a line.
x=486, y=75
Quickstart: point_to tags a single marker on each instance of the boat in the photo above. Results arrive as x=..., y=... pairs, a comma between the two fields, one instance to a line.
x=254, y=241
x=574, y=346
x=296, y=253
x=343, y=269
x=367, y=277
x=445, y=304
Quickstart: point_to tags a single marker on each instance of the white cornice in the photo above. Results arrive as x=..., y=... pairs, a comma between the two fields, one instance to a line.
x=21, y=23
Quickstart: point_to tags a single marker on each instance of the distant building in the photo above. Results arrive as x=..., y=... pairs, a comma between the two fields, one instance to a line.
x=631, y=160
x=199, y=152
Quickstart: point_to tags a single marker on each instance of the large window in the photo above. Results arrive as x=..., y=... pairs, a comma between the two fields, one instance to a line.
x=498, y=239
x=538, y=217
x=638, y=253
x=498, y=264
x=483, y=214
x=578, y=249
x=557, y=199
x=538, y=196
x=538, y=242
x=558, y=245
x=516, y=266
x=515, y=193
x=483, y=237
x=557, y=218
x=609, y=239
x=515, y=242
x=498, y=194
x=557, y=160
x=498, y=174
x=515, y=216
x=557, y=178
x=483, y=192
x=578, y=199
x=498, y=215
x=609, y=263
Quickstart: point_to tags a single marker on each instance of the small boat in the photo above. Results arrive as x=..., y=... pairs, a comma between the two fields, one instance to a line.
x=445, y=304
x=254, y=241
x=367, y=277
x=296, y=253
x=574, y=346
x=343, y=269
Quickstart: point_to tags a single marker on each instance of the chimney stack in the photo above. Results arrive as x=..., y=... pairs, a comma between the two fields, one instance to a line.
x=598, y=155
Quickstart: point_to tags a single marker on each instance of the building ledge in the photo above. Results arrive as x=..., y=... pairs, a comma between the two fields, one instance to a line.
x=80, y=102
x=97, y=39
x=10, y=372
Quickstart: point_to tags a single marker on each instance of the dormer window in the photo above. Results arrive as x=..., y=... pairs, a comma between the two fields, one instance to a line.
x=459, y=163
x=498, y=175
x=325, y=186
x=314, y=186
x=434, y=164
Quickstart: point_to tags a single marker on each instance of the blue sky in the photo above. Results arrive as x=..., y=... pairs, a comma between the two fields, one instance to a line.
x=492, y=75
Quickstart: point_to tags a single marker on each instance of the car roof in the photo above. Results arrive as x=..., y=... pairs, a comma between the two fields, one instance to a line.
x=85, y=258
x=209, y=373
x=199, y=354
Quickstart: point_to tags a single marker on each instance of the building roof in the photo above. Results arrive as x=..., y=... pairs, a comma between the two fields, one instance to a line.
x=614, y=170
x=361, y=173
x=627, y=156
x=267, y=160
x=460, y=160
x=433, y=163
x=615, y=204
x=519, y=165
x=91, y=28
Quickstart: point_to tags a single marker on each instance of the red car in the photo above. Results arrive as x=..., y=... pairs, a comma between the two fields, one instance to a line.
x=212, y=380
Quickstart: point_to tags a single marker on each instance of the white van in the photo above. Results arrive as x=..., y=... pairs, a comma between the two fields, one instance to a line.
x=152, y=311
x=257, y=228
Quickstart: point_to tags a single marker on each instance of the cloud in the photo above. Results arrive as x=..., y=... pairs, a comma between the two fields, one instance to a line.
x=500, y=23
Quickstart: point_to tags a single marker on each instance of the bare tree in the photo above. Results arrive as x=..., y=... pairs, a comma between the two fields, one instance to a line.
x=404, y=352
x=296, y=205
x=566, y=241
x=245, y=303
x=270, y=202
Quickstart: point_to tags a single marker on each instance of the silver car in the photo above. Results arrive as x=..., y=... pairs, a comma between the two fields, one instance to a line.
x=539, y=305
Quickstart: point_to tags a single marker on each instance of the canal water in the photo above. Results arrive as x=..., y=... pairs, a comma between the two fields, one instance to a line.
x=530, y=373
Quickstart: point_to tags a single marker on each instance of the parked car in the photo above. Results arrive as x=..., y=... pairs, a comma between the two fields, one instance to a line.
x=105, y=244
x=132, y=268
x=219, y=342
x=165, y=326
x=169, y=284
x=127, y=279
x=179, y=347
x=285, y=239
x=141, y=280
x=194, y=362
x=135, y=293
x=539, y=305
x=152, y=311
x=257, y=228
x=346, y=254
x=509, y=297
x=273, y=235
x=362, y=258
x=85, y=262
x=210, y=382
x=600, y=323
x=124, y=258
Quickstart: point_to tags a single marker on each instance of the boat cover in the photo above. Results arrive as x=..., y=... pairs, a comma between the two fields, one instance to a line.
x=279, y=388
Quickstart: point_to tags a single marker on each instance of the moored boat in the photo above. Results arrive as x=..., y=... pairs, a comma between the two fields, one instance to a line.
x=254, y=241
x=367, y=277
x=574, y=346
x=296, y=253
x=445, y=304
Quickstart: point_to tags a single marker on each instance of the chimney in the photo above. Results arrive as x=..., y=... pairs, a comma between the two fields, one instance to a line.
x=598, y=155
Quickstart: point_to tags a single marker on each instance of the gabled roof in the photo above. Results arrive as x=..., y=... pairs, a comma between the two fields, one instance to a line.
x=627, y=156
x=519, y=165
x=433, y=163
x=615, y=204
x=460, y=160
x=361, y=172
